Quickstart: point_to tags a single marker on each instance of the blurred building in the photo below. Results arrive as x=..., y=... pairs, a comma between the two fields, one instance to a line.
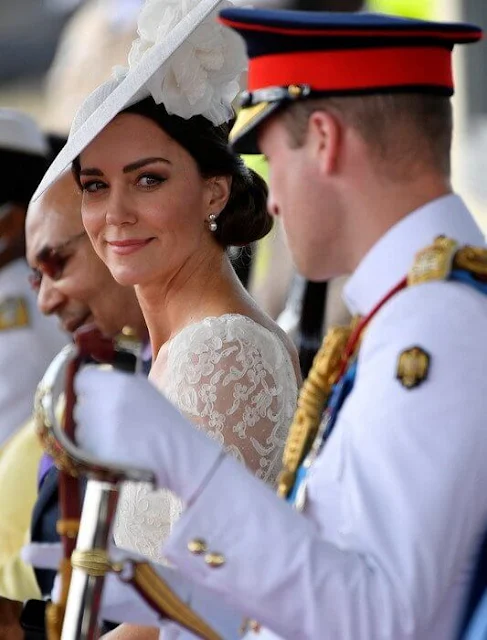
x=97, y=38
x=29, y=33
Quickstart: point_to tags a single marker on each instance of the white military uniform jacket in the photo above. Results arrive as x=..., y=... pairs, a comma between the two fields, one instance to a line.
x=28, y=343
x=397, y=500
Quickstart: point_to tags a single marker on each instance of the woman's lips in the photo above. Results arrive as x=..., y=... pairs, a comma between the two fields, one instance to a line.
x=125, y=247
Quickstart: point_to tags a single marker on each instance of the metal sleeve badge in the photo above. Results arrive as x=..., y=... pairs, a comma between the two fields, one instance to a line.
x=412, y=367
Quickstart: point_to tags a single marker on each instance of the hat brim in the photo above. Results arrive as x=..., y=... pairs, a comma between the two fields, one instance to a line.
x=243, y=136
x=123, y=94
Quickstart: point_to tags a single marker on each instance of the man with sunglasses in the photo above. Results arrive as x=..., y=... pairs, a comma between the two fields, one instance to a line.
x=73, y=284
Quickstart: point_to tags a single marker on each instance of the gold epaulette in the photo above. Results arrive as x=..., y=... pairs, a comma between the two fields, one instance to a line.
x=473, y=260
x=437, y=261
x=14, y=313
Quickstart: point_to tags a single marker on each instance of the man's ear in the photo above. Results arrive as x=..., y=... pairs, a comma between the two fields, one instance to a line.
x=18, y=214
x=325, y=135
x=219, y=193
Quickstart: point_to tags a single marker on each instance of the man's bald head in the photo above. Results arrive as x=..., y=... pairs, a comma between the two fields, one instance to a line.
x=72, y=282
x=61, y=203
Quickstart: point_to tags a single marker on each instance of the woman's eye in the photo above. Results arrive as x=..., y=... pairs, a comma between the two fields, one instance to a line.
x=150, y=180
x=92, y=186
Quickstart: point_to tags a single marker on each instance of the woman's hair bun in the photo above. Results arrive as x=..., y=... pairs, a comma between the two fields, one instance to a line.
x=245, y=218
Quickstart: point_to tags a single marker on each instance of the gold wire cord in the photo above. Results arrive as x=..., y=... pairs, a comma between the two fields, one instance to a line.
x=152, y=585
x=94, y=562
x=311, y=402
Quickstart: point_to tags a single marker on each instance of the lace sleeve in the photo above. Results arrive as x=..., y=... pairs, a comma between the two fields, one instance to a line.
x=234, y=379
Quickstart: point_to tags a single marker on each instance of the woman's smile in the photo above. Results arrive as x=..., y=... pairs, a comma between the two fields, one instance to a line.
x=126, y=247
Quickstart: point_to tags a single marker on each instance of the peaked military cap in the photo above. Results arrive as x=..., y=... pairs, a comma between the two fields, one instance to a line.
x=294, y=55
x=23, y=156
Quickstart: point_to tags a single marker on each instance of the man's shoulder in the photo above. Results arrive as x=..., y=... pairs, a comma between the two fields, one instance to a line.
x=437, y=306
x=425, y=350
x=432, y=326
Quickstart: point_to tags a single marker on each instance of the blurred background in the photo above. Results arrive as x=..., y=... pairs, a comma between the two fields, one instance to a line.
x=55, y=52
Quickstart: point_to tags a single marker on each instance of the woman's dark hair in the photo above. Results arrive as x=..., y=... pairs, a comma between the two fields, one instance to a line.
x=245, y=218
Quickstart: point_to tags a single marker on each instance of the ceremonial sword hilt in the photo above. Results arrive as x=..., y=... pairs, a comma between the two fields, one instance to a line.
x=58, y=434
x=76, y=615
x=86, y=540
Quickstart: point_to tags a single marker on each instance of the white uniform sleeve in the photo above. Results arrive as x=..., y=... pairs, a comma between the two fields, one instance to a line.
x=121, y=603
x=25, y=353
x=391, y=558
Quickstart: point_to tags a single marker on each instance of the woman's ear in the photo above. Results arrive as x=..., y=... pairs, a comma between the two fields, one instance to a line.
x=220, y=188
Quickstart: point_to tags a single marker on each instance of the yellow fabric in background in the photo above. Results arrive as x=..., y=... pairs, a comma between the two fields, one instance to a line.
x=18, y=492
x=422, y=9
x=263, y=254
x=258, y=163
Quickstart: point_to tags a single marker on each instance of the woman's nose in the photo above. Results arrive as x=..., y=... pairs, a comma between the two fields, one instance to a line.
x=120, y=209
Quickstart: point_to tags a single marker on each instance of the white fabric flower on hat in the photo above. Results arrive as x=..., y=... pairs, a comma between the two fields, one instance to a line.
x=201, y=77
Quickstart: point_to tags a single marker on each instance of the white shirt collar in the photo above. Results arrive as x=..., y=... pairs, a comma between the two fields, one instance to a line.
x=390, y=259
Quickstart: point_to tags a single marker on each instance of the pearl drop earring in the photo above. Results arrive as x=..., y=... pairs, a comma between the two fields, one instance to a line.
x=213, y=226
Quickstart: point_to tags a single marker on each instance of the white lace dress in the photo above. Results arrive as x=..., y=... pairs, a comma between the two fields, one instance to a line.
x=233, y=378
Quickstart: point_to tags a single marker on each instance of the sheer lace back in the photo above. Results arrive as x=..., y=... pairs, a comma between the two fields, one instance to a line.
x=233, y=378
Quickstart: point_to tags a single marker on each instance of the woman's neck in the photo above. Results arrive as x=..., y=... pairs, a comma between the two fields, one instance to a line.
x=201, y=288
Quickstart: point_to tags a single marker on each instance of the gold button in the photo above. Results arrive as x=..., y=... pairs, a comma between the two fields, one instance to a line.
x=215, y=559
x=197, y=546
x=295, y=91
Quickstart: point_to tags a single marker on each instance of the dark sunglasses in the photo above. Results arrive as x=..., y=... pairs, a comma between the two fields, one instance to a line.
x=51, y=261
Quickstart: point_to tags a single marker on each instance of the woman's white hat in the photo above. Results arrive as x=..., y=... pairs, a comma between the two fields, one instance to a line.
x=183, y=58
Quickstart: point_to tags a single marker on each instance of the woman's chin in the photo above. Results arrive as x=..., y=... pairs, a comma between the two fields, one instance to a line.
x=126, y=277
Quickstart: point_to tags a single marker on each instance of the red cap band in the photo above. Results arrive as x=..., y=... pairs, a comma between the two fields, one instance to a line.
x=354, y=70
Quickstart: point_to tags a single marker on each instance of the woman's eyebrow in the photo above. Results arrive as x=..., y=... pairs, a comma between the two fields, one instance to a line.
x=133, y=166
x=90, y=172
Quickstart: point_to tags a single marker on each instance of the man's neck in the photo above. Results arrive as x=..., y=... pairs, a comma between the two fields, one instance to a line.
x=379, y=214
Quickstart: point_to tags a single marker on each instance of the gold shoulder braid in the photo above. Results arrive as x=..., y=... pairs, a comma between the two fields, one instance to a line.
x=473, y=260
x=434, y=262
x=313, y=396
x=312, y=399
x=437, y=261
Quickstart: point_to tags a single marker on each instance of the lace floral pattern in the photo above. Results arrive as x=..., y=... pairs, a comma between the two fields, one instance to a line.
x=234, y=379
